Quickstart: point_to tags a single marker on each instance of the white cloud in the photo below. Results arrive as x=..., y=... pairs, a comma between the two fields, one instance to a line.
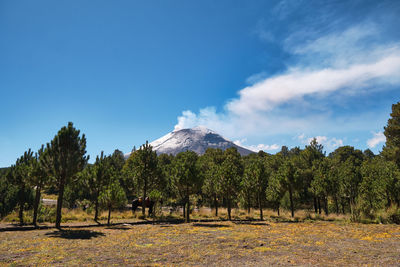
x=296, y=83
x=258, y=77
x=320, y=139
x=377, y=138
x=329, y=143
x=339, y=48
x=342, y=63
x=256, y=148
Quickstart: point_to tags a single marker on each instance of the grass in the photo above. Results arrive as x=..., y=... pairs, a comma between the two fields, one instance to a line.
x=205, y=243
x=47, y=214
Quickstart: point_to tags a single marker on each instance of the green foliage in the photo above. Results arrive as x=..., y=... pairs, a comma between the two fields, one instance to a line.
x=307, y=166
x=394, y=214
x=39, y=179
x=345, y=169
x=8, y=194
x=185, y=178
x=156, y=196
x=20, y=177
x=94, y=178
x=65, y=157
x=46, y=214
x=255, y=181
x=348, y=179
x=230, y=176
x=274, y=192
x=391, y=150
x=113, y=196
x=209, y=167
x=377, y=186
x=287, y=179
x=142, y=170
x=165, y=171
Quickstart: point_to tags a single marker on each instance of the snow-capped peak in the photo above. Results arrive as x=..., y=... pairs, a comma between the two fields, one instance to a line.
x=196, y=139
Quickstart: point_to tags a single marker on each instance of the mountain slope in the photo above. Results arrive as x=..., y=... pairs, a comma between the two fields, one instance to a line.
x=196, y=139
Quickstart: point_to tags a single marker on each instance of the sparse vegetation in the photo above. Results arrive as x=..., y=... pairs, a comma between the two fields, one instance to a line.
x=206, y=243
x=348, y=185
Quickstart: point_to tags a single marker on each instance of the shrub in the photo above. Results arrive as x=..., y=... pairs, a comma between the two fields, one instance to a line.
x=394, y=214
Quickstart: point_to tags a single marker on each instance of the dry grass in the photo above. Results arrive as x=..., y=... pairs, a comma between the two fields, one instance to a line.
x=235, y=243
x=307, y=239
x=204, y=213
x=49, y=196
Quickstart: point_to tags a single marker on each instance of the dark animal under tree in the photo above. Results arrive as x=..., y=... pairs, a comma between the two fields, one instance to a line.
x=148, y=203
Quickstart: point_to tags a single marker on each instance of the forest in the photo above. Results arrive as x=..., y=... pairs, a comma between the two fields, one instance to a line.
x=347, y=181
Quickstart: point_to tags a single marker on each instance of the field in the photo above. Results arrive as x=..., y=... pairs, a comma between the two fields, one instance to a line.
x=205, y=242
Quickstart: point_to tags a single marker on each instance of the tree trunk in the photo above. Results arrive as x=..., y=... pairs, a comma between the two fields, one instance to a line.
x=248, y=204
x=216, y=206
x=319, y=205
x=336, y=204
x=21, y=201
x=109, y=215
x=183, y=209
x=187, y=219
x=350, y=206
x=326, y=206
x=278, y=211
x=21, y=212
x=261, y=208
x=59, y=202
x=144, y=199
x=315, y=205
x=291, y=201
x=229, y=209
x=388, y=201
x=342, y=207
x=36, y=204
x=96, y=209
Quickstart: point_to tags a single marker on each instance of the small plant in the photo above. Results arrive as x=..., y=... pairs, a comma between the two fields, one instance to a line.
x=394, y=214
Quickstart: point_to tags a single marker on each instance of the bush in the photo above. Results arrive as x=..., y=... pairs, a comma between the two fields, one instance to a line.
x=394, y=214
x=46, y=214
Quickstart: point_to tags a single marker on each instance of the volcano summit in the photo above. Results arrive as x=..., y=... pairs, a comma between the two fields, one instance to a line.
x=196, y=139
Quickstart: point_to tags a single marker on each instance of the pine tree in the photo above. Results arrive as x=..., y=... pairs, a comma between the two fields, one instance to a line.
x=165, y=165
x=186, y=178
x=96, y=177
x=38, y=180
x=65, y=157
x=8, y=193
x=310, y=157
x=142, y=169
x=231, y=173
x=112, y=196
x=21, y=172
x=255, y=180
x=210, y=164
x=287, y=178
x=275, y=192
x=391, y=150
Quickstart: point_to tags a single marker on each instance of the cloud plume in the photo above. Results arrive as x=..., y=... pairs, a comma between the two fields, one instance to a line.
x=324, y=68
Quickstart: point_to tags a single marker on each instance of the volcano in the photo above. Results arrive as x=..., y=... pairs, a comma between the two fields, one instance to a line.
x=196, y=139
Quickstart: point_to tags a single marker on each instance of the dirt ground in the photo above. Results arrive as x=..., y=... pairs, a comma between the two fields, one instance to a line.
x=248, y=243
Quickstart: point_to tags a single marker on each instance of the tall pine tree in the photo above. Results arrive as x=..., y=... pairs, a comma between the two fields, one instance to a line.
x=64, y=159
x=391, y=150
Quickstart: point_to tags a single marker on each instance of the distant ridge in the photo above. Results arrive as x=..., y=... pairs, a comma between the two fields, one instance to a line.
x=196, y=139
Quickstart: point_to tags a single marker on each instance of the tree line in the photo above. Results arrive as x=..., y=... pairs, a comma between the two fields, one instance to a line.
x=347, y=180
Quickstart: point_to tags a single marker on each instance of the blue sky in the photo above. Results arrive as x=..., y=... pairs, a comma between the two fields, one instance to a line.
x=261, y=73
